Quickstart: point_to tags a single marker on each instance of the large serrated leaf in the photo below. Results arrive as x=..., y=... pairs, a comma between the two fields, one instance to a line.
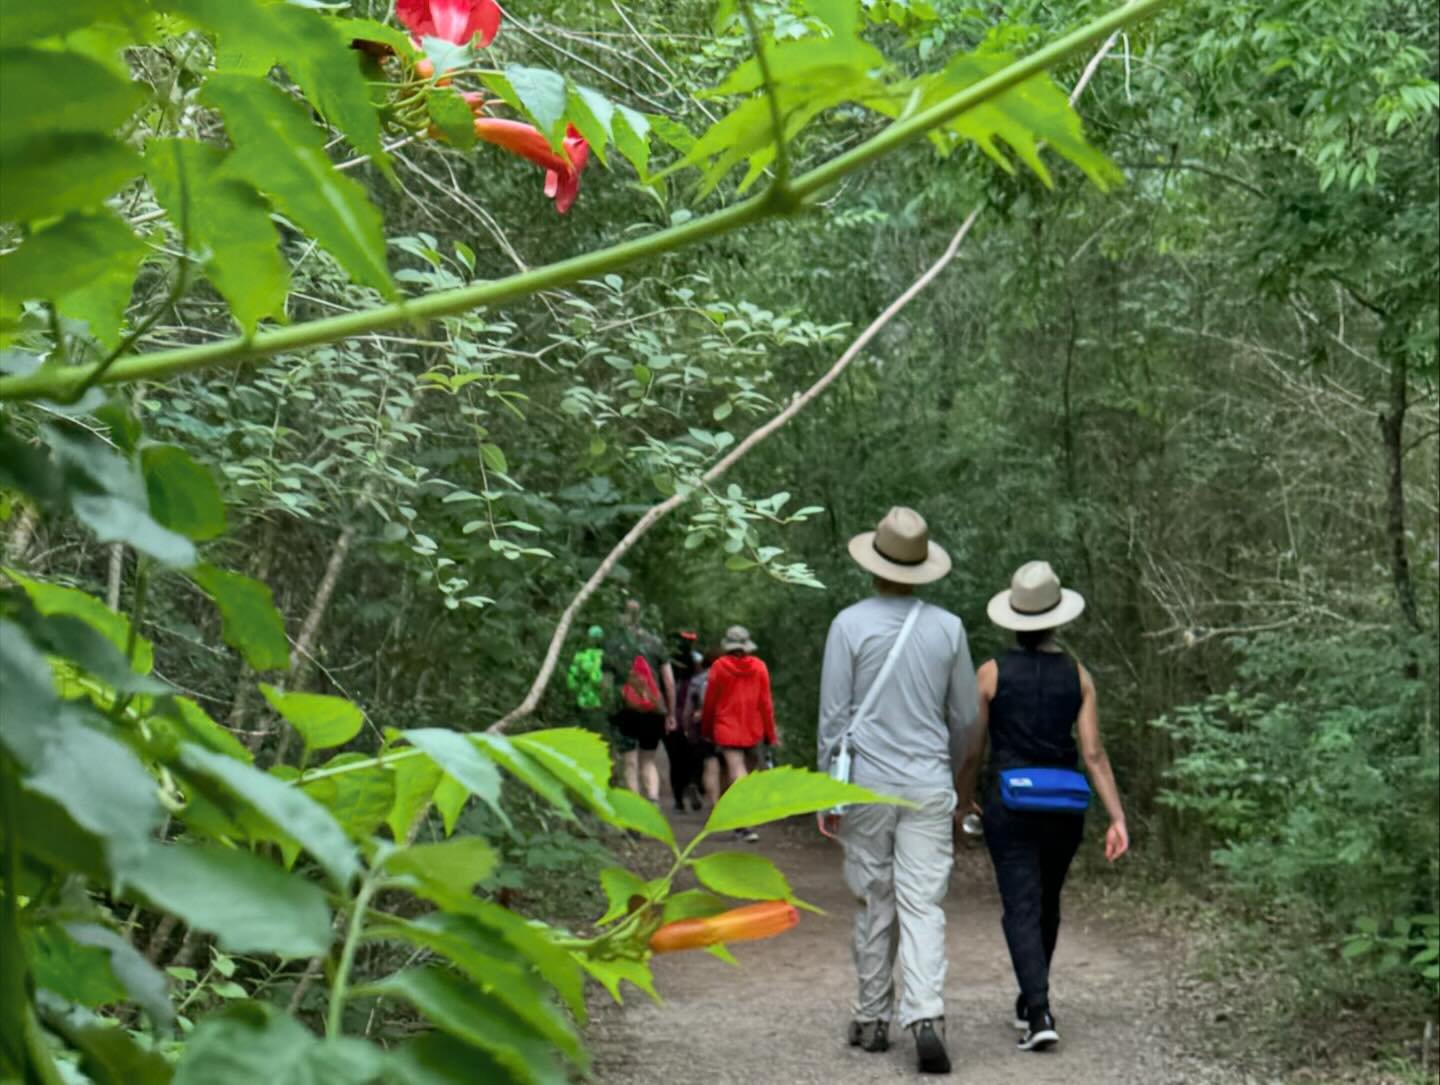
x=251, y=1042
x=542, y=95
x=322, y=720
x=45, y=90
x=85, y=264
x=226, y=217
x=56, y=172
x=280, y=152
x=183, y=494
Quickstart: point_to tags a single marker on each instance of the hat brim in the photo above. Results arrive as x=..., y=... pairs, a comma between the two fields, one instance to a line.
x=738, y=645
x=1070, y=607
x=935, y=565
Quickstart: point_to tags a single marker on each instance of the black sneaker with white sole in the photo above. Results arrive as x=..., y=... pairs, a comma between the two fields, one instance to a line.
x=1022, y=1013
x=1040, y=1032
x=930, y=1045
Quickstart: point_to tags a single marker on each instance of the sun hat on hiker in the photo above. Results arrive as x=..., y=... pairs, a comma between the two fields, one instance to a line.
x=737, y=639
x=900, y=550
x=1035, y=600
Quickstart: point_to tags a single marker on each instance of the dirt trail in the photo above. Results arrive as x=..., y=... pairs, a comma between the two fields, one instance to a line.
x=779, y=1019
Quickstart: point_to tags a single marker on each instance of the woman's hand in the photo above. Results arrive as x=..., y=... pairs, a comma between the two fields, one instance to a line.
x=828, y=824
x=1117, y=841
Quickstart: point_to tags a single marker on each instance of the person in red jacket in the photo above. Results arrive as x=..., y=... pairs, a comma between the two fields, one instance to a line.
x=738, y=714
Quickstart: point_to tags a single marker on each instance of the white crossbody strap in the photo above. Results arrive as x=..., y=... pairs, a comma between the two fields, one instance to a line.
x=889, y=665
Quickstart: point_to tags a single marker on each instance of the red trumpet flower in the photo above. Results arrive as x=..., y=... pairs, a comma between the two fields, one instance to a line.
x=454, y=20
x=747, y=924
x=562, y=173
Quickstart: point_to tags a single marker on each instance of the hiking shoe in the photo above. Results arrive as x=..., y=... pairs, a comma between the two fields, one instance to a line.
x=870, y=1035
x=930, y=1045
x=1022, y=1013
x=1040, y=1032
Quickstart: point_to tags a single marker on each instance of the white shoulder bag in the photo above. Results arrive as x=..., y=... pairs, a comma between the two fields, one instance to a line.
x=840, y=763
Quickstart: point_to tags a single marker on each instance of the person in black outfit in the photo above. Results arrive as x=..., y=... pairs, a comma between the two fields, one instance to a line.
x=680, y=748
x=1035, y=701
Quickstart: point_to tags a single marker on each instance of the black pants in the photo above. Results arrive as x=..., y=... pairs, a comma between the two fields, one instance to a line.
x=1032, y=854
x=684, y=764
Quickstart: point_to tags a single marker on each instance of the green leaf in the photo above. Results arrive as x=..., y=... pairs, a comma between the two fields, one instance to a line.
x=108, y=495
x=450, y=799
x=415, y=782
x=251, y=1042
x=692, y=904
x=611, y=973
x=249, y=904
x=99, y=783
x=322, y=720
x=249, y=621
x=73, y=643
x=781, y=793
x=457, y=865
x=621, y=887
x=742, y=874
x=183, y=495
x=633, y=812
x=542, y=97
x=451, y=114
x=462, y=761
x=85, y=264
x=53, y=599
x=580, y=759
x=62, y=171
x=77, y=972
x=280, y=152
x=495, y=966
x=310, y=46
x=631, y=131
x=465, y=1012
x=438, y=1059
x=109, y=1056
x=524, y=768
x=146, y=985
x=289, y=811
x=359, y=799
x=494, y=458
x=227, y=218
x=47, y=90
x=591, y=113
x=22, y=21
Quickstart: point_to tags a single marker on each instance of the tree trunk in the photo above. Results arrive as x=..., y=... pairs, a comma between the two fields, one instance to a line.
x=21, y=534
x=1392, y=433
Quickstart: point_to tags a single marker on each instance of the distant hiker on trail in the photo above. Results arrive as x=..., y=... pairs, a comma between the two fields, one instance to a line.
x=586, y=679
x=679, y=746
x=739, y=713
x=897, y=697
x=1033, y=701
x=692, y=720
x=645, y=702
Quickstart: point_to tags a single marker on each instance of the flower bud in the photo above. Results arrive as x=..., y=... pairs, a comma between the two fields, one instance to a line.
x=747, y=924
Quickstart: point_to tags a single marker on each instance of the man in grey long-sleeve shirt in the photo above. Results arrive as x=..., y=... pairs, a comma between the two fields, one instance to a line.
x=898, y=859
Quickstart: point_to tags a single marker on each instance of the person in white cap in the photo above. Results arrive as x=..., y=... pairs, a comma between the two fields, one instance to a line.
x=897, y=697
x=1034, y=701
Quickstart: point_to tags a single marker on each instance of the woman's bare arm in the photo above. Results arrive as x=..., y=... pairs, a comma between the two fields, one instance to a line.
x=968, y=773
x=1097, y=764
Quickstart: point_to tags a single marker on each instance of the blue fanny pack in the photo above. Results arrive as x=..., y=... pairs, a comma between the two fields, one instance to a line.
x=1048, y=790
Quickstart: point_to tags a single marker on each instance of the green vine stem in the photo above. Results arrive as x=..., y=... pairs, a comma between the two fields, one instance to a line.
x=340, y=986
x=58, y=381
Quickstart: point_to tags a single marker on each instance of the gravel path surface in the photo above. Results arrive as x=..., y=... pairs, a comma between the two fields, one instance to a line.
x=780, y=1018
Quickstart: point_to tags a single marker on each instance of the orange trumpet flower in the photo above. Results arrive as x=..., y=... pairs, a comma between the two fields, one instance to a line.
x=747, y=924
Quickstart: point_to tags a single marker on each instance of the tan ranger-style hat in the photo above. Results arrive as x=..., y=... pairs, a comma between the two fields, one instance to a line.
x=1035, y=600
x=900, y=550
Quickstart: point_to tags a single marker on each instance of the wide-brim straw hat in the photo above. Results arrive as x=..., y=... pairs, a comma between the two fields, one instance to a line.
x=900, y=550
x=1035, y=600
x=737, y=639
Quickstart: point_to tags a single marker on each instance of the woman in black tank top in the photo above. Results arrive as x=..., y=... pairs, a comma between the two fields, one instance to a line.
x=1037, y=708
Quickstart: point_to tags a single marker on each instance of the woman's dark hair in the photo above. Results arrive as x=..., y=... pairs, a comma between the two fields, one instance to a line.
x=1032, y=638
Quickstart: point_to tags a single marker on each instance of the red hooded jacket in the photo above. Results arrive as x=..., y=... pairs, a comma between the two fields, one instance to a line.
x=738, y=710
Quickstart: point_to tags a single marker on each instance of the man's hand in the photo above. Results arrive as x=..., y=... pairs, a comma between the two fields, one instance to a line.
x=1117, y=841
x=671, y=725
x=828, y=824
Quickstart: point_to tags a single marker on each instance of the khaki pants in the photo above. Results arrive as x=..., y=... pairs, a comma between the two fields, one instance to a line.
x=897, y=863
